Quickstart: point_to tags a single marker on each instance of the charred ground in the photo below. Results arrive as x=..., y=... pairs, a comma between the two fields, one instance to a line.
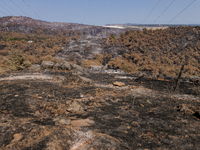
x=44, y=114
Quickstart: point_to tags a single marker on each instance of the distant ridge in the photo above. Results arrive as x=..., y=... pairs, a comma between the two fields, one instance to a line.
x=26, y=21
x=152, y=25
x=29, y=26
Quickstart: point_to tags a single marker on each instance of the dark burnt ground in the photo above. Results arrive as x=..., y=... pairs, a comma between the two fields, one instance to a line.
x=145, y=115
x=145, y=122
x=157, y=84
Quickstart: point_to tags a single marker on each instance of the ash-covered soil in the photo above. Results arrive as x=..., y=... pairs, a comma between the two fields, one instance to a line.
x=47, y=114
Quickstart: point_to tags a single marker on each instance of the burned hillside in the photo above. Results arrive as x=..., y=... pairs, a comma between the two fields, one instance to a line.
x=74, y=90
x=167, y=49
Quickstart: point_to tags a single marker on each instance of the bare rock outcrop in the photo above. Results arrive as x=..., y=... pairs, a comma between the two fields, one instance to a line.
x=77, y=67
x=64, y=65
x=47, y=65
x=35, y=67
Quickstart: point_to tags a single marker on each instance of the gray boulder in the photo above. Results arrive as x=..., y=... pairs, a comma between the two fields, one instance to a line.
x=64, y=65
x=47, y=65
x=57, y=66
x=77, y=67
x=35, y=67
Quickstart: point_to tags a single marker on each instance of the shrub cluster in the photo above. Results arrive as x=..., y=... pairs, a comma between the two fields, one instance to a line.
x=20, y=50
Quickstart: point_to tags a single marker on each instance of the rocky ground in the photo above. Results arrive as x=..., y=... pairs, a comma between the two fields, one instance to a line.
x=61, y=110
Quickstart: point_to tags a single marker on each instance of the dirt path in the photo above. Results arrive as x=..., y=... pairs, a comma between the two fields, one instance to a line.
x=28, y=77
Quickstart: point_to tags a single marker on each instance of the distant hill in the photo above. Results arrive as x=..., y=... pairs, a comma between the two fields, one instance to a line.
x=26, y=21
x=29, y=25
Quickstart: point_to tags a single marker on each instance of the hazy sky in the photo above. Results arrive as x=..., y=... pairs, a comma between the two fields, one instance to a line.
x=101, y=12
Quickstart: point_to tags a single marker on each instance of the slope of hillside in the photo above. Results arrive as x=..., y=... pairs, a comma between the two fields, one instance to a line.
x=163, y=50
x=169, y=49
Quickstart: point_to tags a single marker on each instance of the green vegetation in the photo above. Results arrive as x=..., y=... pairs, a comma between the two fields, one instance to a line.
x=18, y=61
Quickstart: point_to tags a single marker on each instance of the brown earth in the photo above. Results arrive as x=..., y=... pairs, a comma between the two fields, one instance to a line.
x=46, y=114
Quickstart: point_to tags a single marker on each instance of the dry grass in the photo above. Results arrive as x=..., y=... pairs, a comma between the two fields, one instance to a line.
x=169, y=48
x=97, y=61
x=87, y=63
x=2, y=70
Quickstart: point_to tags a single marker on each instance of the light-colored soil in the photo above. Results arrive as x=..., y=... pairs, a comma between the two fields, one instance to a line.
x=28, y=77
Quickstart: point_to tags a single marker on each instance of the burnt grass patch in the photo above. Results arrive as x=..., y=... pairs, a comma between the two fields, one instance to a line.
x=141, y=127
x=139, y=124
x=13, y=100
x=145, y=121
x=157, y=84
x=150, y=125
x=46, y=121
x=38, y=146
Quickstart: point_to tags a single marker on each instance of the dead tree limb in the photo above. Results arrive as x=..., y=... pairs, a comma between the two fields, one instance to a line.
x=179, y=76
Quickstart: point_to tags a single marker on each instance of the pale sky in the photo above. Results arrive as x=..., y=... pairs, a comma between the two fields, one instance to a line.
x=101, y=12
